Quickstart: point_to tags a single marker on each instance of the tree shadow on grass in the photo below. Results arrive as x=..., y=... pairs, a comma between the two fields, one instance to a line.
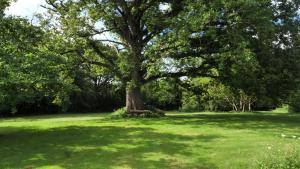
x=98, y=147
x=274, y=123
x=252, y=121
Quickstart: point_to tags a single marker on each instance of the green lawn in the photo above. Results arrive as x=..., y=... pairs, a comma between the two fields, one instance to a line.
x=180, y=140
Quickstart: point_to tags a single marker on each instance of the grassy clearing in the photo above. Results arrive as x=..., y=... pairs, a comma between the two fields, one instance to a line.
x=180, y=140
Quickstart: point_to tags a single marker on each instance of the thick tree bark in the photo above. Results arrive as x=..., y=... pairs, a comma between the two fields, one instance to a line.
x=134, y=101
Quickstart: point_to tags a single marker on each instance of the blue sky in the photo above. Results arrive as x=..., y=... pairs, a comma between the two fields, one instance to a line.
x=25, y=8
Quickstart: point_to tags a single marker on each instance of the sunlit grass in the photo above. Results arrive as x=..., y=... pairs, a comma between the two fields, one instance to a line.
x=180, y=140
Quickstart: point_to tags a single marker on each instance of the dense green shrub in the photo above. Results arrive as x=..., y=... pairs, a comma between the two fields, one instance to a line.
x=191, y=102
x=291, y=160
x=204, y=94
x=119, y=113
x=164, y=94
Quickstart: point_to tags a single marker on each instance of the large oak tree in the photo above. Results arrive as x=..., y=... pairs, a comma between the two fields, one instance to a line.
x=132, y=26
x=144, y=40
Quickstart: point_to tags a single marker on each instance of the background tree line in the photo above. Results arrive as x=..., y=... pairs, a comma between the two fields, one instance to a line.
x=191, y=55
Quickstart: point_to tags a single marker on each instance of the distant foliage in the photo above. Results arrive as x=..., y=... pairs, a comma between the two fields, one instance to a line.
x=191, y=102
x=164, y=94
x=294, y=102
x=196, y=55
x=206, y=94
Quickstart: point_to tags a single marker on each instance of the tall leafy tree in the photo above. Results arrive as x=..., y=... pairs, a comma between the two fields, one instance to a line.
x=144, y=40
x=277, y=54
x=29, y=71
x=285, y=55
x=132, y=24
x=215, y=40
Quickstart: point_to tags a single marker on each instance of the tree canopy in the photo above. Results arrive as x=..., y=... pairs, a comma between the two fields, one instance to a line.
x=250, y=47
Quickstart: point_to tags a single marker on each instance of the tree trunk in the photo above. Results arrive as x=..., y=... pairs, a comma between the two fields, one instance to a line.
x=134, y=101
x=235, y=107
x=249, y=105
x=241, y=104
